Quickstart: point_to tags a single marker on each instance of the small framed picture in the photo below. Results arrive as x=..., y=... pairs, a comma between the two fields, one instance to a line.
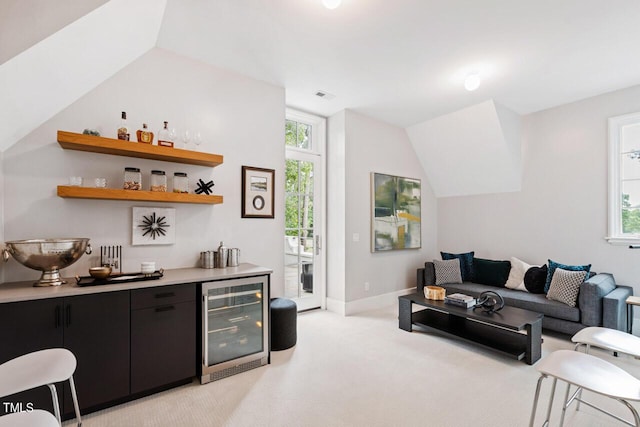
x=257, y=192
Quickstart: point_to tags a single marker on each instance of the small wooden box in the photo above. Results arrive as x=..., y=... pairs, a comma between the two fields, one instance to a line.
x=434, y=293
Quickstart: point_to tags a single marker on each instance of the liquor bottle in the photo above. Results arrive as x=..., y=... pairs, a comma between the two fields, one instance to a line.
x=144, y=135
x=123, y=130
x=164, y=136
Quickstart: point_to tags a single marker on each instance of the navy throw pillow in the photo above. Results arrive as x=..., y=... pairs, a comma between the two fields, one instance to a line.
x=490, y=272
x=535, y=278
x=466, y=264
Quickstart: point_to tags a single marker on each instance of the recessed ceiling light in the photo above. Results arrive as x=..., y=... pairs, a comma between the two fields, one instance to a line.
x=331, y=4
x=472, y=82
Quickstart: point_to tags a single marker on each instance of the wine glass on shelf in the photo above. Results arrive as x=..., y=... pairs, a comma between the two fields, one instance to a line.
x=186, y=137
x=173, y=135
x=197, y=139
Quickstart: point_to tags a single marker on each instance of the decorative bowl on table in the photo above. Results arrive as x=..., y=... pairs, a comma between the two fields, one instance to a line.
x=47, y=255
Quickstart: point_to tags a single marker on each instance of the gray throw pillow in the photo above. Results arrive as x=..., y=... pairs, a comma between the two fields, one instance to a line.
x=447, y=271
x=565, y=286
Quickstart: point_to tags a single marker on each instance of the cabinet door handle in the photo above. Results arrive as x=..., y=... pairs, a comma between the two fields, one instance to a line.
x=68, y=315
x=165, y=308
x=57, y=317
x=165, y=295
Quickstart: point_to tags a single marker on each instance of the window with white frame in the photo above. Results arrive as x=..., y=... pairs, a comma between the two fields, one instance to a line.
x=624, y=179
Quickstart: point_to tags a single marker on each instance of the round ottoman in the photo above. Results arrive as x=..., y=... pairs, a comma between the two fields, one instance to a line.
x=284, y=313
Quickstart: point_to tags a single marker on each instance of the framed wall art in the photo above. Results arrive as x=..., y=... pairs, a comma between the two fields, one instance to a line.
x=395, y=213
x=153, y=226
x=257, y=192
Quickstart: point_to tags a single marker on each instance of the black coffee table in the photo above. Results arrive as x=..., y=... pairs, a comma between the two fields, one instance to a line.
x=512, y=331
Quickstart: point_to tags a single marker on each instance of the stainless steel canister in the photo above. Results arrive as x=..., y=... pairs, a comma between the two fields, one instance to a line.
x=206, y=259
x=234, y=257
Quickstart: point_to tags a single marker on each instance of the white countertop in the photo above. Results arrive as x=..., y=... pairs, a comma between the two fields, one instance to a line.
x=25, y=291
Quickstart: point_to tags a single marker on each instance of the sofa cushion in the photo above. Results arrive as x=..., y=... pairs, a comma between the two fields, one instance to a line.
x=535, y=278
x=528, y=301
x=552, y=268
x=447, y=271
x=490, y=272
x=466, y=263
x=565, y=286
x=590, y=298
x=516, y=274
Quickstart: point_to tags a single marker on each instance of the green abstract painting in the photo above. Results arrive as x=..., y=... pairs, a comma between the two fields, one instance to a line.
x=396, y=213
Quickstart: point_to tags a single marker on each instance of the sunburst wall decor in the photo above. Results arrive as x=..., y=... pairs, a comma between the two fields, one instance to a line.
x=153, y=226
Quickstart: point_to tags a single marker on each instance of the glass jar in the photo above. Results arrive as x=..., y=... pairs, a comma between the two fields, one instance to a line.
x=180, y=182
x=132, y=179
x=158, y=181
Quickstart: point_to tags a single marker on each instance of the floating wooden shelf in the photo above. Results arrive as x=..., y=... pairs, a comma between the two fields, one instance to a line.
x=135, y=195
x=98, y=144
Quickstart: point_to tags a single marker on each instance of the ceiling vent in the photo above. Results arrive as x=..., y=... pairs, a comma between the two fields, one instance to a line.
x=324, y=95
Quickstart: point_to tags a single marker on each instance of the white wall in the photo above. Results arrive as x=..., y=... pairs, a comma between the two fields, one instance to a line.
x=561, y=212
x=336, y=199
x=374, y=146
x=240, y=118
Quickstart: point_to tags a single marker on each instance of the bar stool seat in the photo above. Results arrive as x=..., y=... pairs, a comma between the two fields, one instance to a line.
x=35, y=418
x=608, y=339
x=44, y=367
x=589, y=373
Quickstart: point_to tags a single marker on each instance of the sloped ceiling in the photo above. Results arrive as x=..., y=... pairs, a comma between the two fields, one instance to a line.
x=472, y=151
x=47, y=77
x=24, y=23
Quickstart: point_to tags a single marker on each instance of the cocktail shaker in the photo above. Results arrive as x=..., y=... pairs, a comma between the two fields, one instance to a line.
x=234, y=257
x=222, y=256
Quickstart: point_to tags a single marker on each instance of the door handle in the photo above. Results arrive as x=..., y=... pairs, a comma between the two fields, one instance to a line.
x=165, y=295
x=165, y=308
x=57, y=317
x=318, y=244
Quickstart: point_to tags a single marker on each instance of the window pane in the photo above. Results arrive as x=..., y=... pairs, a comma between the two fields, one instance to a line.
x=629, y=166
x=630, y=138
x=306, y=178
x=304, y=136
x=306, y=211
x=291, y=176
x=291, y=212
x=291, y=133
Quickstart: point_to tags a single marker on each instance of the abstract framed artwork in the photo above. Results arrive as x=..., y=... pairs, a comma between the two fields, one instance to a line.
x=257, y=192
x=395, y=213
x=153, y=226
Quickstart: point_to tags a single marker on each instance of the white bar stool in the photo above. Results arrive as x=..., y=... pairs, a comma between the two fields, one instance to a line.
x=35, y=418
x=44, y=367
x=589, y=373
x=608, y=339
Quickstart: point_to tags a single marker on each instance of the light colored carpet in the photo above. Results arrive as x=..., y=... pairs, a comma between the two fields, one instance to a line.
x=365, y=371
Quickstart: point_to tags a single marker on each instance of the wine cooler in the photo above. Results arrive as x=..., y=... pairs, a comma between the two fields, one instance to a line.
x=235, y=326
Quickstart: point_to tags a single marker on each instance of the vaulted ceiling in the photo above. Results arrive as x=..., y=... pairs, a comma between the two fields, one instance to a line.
x=400, y=61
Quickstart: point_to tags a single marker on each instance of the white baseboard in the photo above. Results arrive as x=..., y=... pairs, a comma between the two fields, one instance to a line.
x=366, y=304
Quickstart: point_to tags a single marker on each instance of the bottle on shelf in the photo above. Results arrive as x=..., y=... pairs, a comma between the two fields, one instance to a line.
x=164, y=136
x=123, y=130
x=144, y=135
x=180, y=182
x=158, y=181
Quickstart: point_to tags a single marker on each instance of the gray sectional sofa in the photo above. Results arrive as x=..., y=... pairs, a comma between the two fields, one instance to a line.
x=600, y=302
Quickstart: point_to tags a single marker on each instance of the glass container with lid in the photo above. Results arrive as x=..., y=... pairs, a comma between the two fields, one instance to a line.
x=132, y=179
x=158, y=181
x=180, y=182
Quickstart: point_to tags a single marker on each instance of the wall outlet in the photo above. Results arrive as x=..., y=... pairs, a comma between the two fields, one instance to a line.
x=356, y=237
x=367, y=286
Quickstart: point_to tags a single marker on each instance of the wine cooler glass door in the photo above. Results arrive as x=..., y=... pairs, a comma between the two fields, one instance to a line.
x=235, y=320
